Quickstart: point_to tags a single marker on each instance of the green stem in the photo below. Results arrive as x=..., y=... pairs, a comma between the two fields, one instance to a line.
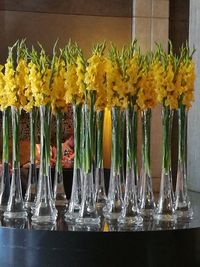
x=5, y=129
x=166, y=143
x=58, y=141
x=44, y=140
x=146, y=130
x=182, y=133
x=134, y=133
x=77, y=134
x=15, y=128
x=115, y=138
x=32, y=115
x=99, y=149
x=129, y=144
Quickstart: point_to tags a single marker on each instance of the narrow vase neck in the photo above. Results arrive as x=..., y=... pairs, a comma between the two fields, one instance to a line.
x=32, y=116
x=59, y=141
x=99, y=152
x=5, y=133
x=15, y=129
x=182, y=133
x=146, y=135
x=167, y=118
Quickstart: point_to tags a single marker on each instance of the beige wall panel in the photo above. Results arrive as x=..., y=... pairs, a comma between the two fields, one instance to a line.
x=46, y=28
x=142, y=32
x=160, y=9
x=160, y=29
x=142, y=8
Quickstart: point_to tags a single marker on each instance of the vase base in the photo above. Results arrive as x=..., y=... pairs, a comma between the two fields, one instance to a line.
x=15, y=215
x=135, y=220
x=44, y=219
x=71, y=216
x=147, y=213
x=28, y=205
x=88, y=220
x=111, y=216
x=165, y=217
x=184, y=214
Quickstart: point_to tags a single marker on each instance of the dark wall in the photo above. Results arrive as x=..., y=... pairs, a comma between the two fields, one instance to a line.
x=178, y=34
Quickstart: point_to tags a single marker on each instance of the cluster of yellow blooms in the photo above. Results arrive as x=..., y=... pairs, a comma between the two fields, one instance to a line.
x=118, y=80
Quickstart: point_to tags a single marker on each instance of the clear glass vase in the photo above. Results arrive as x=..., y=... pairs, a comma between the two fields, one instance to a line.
x=113, y=207
x=100, y=192
x=58, y=188
x=5, y=175
x=165, y=207
x=44, y=211
x=147, y=204
x=32, y=174
x=130, y=213
x=122, y=151
x=15, y=208
x=76, y=194
x=134, y=155
x=88, y=212
x=183, y=207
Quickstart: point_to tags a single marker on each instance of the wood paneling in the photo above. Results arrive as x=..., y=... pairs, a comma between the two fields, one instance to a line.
x=111, y=8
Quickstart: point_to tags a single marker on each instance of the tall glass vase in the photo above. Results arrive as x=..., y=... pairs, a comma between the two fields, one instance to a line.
x=58, y=188
x=76, y=194
x=122, y=150
x=165, y=207
x=147, y=204
x=182, y=203
x=113, y=206
x=130, y=212
x=134, y=154
x=88, y=211
x=15, y=208
x=32, y=174
x=100, y=192
x=44, y=210
x=5, y=175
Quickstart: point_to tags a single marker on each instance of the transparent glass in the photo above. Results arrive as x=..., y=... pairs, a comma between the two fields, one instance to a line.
x=113, y=207
x=15, y=208
x=44, y=211
x=130, y=212
x=88, y=211
x=76, y=194
x=147, y=204
x=5, y=175
x=32, y=174
x=165, y=207
x=100, y=192
x=182, y=203
x=58, y=188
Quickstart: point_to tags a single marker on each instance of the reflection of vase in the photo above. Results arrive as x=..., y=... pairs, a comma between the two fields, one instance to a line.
x=75, y=200
x=15, y=207
x=5, y=175
x=165, y=207
x=44, y=210
x=58, y=189
x=113, y=206
x=147, y=204
x=182, y=202
x=100, y=193
x=130, y=213
x=32, y=175
x=88, y=211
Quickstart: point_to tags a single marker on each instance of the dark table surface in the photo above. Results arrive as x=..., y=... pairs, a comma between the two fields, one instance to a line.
x=61, y=245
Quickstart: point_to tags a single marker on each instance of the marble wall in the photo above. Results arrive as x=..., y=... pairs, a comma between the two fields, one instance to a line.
x=194, y=114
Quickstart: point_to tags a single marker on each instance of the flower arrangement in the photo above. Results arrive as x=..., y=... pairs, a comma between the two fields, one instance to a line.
x=126, y=82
